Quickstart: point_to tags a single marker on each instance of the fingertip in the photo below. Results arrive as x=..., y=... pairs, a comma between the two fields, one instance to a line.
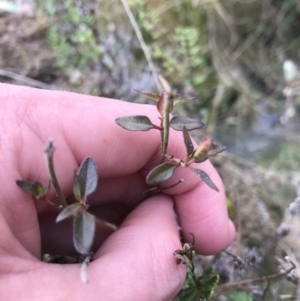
x=140, y=252
x=202, y=211
x=212, y=242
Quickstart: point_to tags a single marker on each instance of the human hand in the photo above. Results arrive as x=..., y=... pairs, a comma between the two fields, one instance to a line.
x=133, y=263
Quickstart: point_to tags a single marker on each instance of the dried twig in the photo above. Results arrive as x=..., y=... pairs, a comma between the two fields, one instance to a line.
x=26, y=80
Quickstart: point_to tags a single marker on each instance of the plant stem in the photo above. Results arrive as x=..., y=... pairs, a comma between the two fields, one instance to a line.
x=49, y=150
x=171, y=186
x=142, y=42
x=256, y=280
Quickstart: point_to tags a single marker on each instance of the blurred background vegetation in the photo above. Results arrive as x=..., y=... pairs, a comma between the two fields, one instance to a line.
x=228, y=55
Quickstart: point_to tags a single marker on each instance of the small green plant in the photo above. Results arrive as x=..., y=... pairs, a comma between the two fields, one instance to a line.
x=166, y=101
x=85, y=182
x=174, y=36
x=71, y=35
x=201, y=287
x=195, y=287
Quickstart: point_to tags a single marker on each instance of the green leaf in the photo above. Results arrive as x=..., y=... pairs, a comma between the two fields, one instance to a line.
x=207, y=283
x=84, y=226
x=88, y=177
x=202, y=290
x=160, y=173
x=189, y=279
x=135, y=123
x=177, y=123
x=188, y=142
x=34, y=188
x=67, y=212
x=189, y=294
x=205, y=178
x=189, y=291
x=148, y=94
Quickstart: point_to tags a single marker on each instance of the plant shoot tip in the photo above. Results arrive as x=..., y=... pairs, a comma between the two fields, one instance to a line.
x=50, y=149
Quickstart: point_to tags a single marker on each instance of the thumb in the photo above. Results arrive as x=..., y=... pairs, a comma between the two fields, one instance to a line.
x=135, y=263
x=141, y=253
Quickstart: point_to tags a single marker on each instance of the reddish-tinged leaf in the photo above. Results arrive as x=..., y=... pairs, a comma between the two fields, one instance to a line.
x=148, y=94
x=165, y=107
x=205, y=178
x=161, y=173
x=188, y=142
x=34, y=188
x=135, y=123
x=68, y=211
x=84, y=225
x=201, y=153
x=207, y=149
x=177, y=123
x=164, y=103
